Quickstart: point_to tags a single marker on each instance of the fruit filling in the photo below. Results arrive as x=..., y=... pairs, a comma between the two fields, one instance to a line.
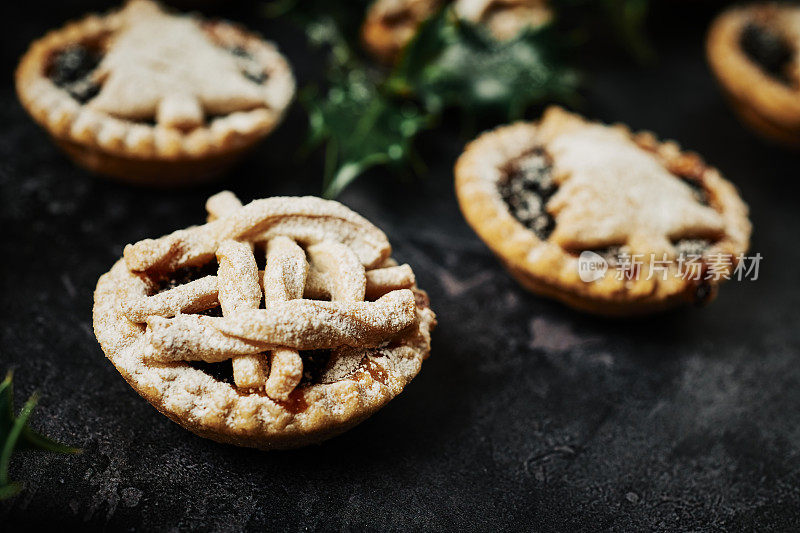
x=71, y=69
x=250, y=69
x=768, y=49
x=526, y=188
x=182, y=276
x=316, y=363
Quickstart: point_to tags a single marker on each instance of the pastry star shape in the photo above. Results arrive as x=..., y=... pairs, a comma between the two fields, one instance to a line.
x=165, y=67
x=611, y=192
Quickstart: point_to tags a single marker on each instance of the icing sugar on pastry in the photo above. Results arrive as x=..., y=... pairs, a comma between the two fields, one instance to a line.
x=546, y=195
x=341, y=330
x=150, y=96
x=148, y=73
x=239, y=289
x=611, y=192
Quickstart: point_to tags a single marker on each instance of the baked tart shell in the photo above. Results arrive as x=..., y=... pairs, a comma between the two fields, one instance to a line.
x=386, y=355
x=544, y=267
x=763, y=103
x=144, y=152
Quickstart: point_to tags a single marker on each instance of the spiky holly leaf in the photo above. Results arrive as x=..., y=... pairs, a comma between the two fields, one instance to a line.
x=455, y=63
x=359, y=123
x=362, y=127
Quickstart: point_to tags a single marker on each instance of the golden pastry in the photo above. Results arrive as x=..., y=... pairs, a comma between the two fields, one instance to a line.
x=152, y=97
x=324, y=336
x=562, y=194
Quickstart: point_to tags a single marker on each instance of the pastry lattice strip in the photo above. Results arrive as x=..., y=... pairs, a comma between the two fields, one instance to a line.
x=239, y=290
x=346, y=324
x=296, y=324
x=284, y=279
x=306, y=220
x=201, y=294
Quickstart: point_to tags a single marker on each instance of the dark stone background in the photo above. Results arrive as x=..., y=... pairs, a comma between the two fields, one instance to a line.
x=527, y=415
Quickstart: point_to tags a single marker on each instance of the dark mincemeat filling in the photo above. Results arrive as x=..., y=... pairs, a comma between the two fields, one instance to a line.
x=182, y=276
x=768, y=49
x=71, y=69
x=610, y=253
x=256, y=76
x=698, y=191
x=691, y=247
x=315, y=362
x=222, y=371
x=686, y=248
x=252, y=72
x=527, y=187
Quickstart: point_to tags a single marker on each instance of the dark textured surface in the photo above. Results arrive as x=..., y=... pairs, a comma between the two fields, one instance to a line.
x=527, y=415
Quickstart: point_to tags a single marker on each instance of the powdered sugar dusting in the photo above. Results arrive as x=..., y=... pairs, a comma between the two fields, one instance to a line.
x=339, y=245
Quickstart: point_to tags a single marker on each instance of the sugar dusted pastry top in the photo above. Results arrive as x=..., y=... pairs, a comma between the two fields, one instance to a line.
x=327, y=332
x=657, y=219
x=165, y=67
x=148, y=84
x=611, y=192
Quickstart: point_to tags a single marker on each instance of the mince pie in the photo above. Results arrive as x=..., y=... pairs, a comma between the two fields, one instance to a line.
x=276, y=324
x=391, y=24
x=753, y=51
x=153, y=97
x=546, y=195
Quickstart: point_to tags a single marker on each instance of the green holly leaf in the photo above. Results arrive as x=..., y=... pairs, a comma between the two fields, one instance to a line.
x=15, y=434
x=6, y=403
x=367, y=119
x=362, y=127
x=11, y=435
x=455, y=63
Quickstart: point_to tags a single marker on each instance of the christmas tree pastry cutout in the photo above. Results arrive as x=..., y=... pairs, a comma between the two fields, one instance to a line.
x=165, y=67
x=600, y=218
x=154, y=97
x=611, y=192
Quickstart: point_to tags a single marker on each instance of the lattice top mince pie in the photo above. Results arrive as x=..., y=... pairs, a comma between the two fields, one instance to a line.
x=541, y=194
x=153, y=97
x=276, y=324
x=390, y=24
x=753, y=51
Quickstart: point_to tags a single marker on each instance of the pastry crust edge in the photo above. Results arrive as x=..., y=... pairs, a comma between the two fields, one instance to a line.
x=253, y=420
x=136, y=152
x=761, y=101
x=543, y=267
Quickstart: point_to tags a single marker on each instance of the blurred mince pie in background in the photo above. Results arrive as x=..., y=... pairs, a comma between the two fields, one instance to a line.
x=543, y=194
x=390, y=24
x=753, y=53
x=152, y=97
